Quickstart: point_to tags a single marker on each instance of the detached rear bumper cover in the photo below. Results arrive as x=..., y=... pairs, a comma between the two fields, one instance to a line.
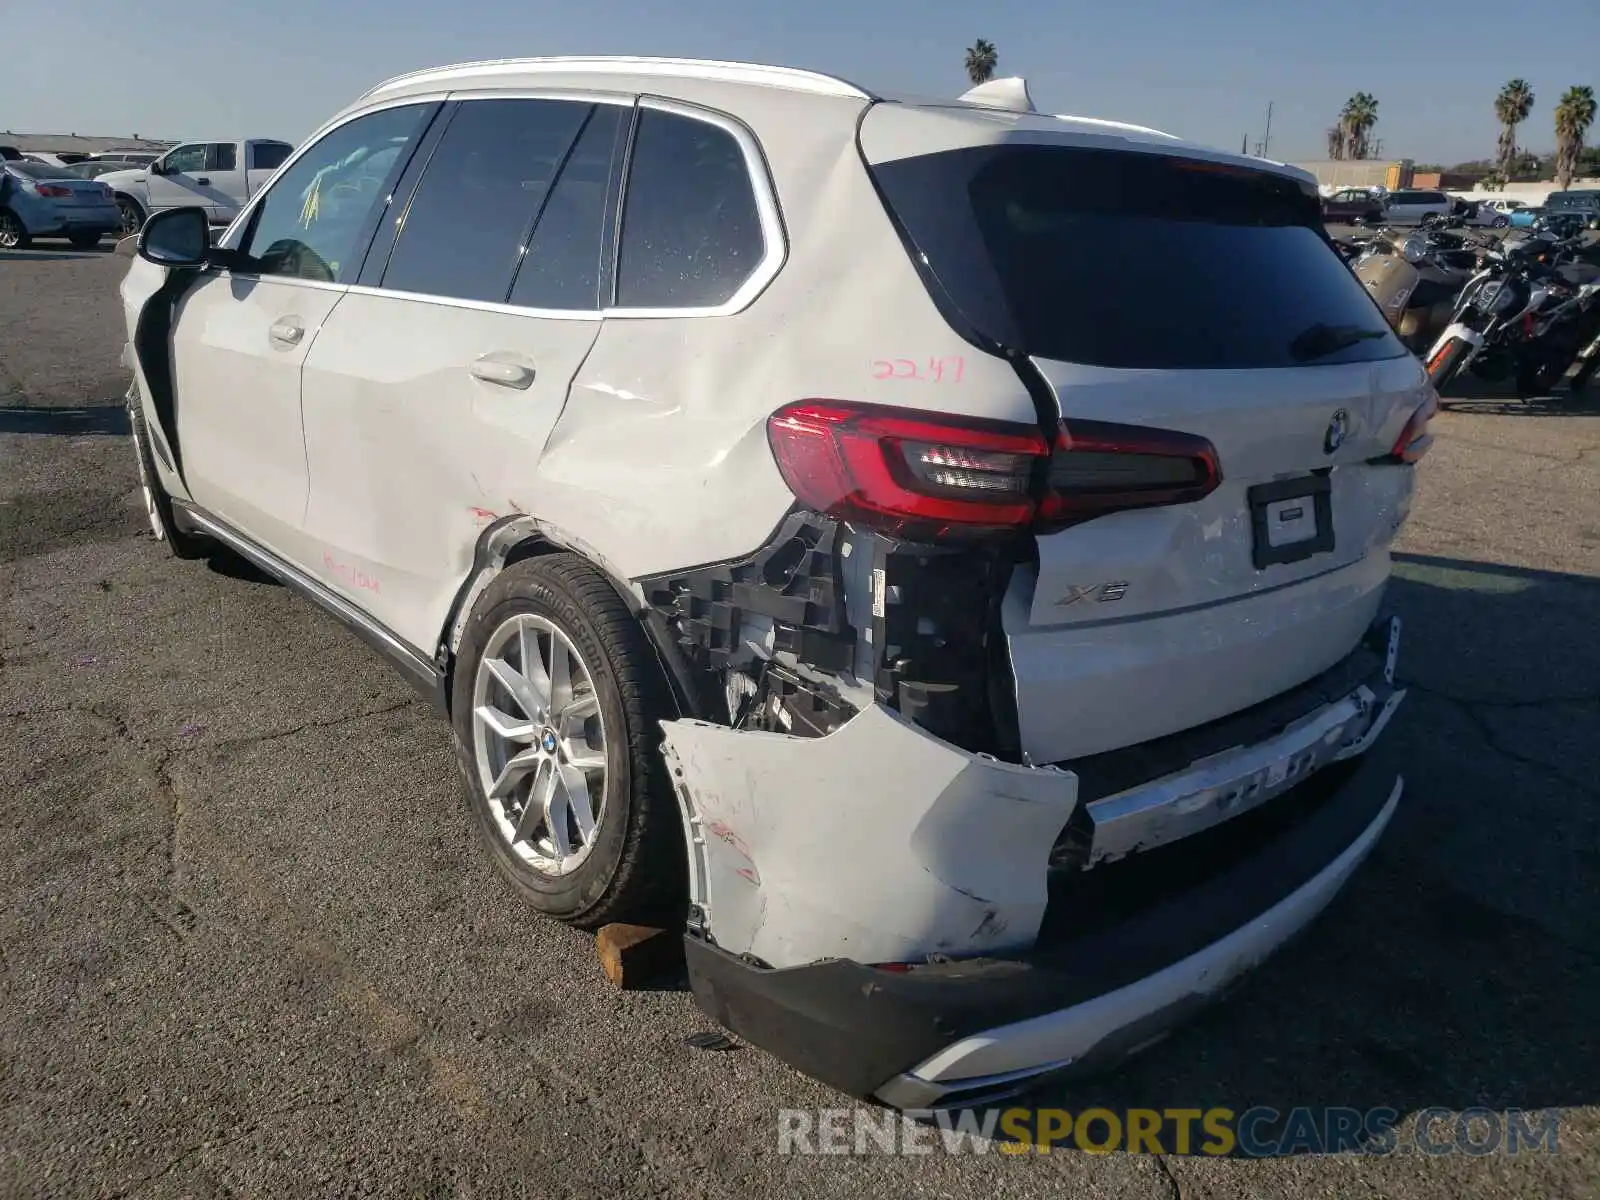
x=964, y=1031
x=879, y=843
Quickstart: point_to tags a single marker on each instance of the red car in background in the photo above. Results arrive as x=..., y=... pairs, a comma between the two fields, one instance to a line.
x=1347, y=206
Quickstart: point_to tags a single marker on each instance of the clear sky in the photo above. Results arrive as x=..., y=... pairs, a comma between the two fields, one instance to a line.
x=189, y=68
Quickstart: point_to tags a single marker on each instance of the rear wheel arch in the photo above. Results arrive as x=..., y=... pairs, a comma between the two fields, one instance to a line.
x=519, y=538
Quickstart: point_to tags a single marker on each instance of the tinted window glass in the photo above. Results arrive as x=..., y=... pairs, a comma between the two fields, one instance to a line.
x=562, y=266
x=222, y=156
x=1133, y=260
x=465, y=228
x=185, y=160
x=268, y=156
x=313, y=216
x=690, y=229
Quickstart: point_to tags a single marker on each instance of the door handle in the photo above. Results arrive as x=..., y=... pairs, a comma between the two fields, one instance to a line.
x=287, y=332
x=203, y=181
x=502, y=372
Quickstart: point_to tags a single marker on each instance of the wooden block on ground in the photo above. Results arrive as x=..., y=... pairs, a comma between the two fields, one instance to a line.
x=633, y=955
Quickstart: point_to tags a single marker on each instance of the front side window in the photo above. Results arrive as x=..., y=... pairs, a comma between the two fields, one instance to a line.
x=691, y=230
x=311, y=221
x=185, y=160
x=463, y=232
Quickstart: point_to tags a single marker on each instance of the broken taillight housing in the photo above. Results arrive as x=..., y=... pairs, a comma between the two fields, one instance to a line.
x=914, y=474
x=932, y=475
x=1415, y=439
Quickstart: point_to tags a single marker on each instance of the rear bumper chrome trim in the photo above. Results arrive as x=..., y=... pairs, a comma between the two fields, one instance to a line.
x=1227, y=784
x=1136, y=1013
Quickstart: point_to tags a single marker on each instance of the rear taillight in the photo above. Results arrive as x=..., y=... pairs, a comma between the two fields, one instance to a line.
x=931, y=475
x=910, y=473
x=54, y=190
x=1415, y=439
x=1098, y=468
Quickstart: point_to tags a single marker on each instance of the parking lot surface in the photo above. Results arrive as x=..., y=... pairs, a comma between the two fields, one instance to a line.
x=248, y=946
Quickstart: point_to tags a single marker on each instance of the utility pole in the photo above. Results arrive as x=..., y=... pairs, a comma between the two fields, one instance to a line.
x=1266, y=138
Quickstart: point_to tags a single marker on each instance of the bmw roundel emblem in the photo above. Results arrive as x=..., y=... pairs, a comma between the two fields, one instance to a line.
x=1338, y=430
x=549, y=741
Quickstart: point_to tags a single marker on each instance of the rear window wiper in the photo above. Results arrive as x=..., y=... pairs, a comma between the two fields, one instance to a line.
x=1319, y=341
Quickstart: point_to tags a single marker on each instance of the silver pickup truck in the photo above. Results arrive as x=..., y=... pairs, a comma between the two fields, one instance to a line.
x=216, y=176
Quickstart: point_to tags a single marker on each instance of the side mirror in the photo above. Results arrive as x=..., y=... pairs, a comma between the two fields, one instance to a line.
x=178, y=237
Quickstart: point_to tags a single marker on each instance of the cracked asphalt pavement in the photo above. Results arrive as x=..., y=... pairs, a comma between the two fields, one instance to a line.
x=249, y=948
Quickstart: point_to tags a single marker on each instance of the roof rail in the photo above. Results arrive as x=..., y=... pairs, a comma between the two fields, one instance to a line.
x=1117, y=125
x=791, y=78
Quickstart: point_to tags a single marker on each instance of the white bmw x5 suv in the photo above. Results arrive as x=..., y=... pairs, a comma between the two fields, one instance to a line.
x=933, y=549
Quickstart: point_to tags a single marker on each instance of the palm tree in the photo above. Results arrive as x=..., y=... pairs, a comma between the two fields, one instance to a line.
x=1574, y=115
x=1335, y=142
x=1359, y=116
x=982, y=59
x=1512, y=107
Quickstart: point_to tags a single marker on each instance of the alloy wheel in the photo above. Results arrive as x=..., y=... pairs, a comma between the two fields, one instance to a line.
x=539, y=743
x=10, y=231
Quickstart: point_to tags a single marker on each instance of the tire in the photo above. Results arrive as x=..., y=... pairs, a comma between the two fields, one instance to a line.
x=1500, y=222
x=132, y=215
x=157, y=504
x=630, y=865
x=13, y=234
x=1446, y=364
x=83, y=241
x=1539, y=378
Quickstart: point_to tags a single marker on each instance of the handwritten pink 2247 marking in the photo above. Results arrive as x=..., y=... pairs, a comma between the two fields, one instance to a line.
x=948, y=369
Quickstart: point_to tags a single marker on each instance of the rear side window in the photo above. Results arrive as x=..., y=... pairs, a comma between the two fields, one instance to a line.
x=222, y=156
x=268, y=156
x=691, y=230
x=1132, y=260
x=562, y=268
x=463, y=233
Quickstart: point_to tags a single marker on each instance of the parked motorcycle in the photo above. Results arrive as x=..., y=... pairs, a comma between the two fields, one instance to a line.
x=1526, y=315
x=1415, y=277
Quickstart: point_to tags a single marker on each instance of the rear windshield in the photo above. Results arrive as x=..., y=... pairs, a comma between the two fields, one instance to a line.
x=1123, y=259
x=1572, y=199
x=35, y=170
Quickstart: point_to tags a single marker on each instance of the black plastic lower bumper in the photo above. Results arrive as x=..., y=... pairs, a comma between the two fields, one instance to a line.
x=856, y=1027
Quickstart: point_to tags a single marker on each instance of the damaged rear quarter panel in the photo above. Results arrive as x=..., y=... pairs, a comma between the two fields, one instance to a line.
x=876, y=843
x=661, y=455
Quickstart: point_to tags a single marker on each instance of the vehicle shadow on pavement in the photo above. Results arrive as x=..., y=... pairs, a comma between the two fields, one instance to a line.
x=229, y=565
x=1461, y=966
x=66, y=421
x=41, y=255
x=1500, y=399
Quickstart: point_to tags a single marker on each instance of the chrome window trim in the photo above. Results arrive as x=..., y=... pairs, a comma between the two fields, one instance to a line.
x=774, y=238
x=510, y=310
